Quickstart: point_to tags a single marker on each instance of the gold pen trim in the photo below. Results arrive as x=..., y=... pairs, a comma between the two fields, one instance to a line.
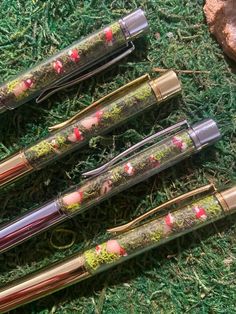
x=227, y=199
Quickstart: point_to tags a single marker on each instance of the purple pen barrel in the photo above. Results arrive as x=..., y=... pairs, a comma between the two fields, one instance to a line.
x=30, y=224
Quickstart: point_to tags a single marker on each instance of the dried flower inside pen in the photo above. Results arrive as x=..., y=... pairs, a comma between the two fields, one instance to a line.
x=92, y=123
x=155, y=157
x=142, y=237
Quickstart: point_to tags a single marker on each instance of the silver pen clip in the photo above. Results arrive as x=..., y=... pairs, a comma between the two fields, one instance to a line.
x=82, y=74
x=103, y=168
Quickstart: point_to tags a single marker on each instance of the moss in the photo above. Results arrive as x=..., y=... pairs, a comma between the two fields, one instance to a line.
x=144, y=92
x=41, y=149
x=94, y=260
x=115, y=27
x=117, y=32
x=128, y=100
x=89, y=195
x=113, y=113
x=162, y=153
x=184, y=219
x=61, y=140
x=186, y=139
x=116, y=176
x=212, y=206
x=72, y=208
x=157, y=235
x=11, y=85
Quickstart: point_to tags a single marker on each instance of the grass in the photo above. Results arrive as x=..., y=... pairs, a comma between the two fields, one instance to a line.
x=193, y=274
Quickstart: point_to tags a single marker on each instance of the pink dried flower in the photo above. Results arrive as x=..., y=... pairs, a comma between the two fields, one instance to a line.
x=58, y=67
x=129, y=169
x=169, y=219
x=114, y=247
x=74, y=55
x=200, y=212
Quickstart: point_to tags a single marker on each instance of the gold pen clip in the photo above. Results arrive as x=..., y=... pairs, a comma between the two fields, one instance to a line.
x=86, y=72
x=206, y=188
x=165, y=132
x=110, y=97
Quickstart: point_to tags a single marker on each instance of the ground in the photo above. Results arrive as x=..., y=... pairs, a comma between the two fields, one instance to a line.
x=192, y=274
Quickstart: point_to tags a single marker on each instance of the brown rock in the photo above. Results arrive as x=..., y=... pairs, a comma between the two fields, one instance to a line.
x=221, y=18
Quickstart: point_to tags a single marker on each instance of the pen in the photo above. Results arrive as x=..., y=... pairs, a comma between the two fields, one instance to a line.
x=75, y=63
x=202, y=207
x=177, y=143
x=98, y=118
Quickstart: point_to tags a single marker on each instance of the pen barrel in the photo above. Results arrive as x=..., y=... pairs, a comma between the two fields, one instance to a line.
x=110, y=112
x=30, y=224
x=120, y=177
x=125, y=174
x=44, y=282
x=97, y=121
x=117, y=250
x=154, y=233
x=140, y=166
x=64, y=65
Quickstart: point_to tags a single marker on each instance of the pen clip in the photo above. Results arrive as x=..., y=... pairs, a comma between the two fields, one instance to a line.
x=133, y=148
x=82, y=74
x=110, y=97
x=206, y=188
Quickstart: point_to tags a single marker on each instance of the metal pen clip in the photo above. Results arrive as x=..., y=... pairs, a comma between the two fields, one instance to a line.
x=81, y=74
x=206, y=188
x=110, y=97
x=98, y=171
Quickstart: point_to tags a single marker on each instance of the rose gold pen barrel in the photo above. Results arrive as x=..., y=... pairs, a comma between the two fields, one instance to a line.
x=14, y=167
x=42, y=283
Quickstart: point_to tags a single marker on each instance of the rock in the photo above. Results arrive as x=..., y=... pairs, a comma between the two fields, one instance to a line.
x=221, y=18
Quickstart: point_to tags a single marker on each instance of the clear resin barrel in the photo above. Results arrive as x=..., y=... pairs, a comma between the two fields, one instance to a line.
x=66, y=64
x=142, y=165
x=97, y=119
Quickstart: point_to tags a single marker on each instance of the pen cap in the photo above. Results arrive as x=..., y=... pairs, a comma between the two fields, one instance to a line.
x=166, y=86
x=204, y=133
x=134, y=23
x=229, y=196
